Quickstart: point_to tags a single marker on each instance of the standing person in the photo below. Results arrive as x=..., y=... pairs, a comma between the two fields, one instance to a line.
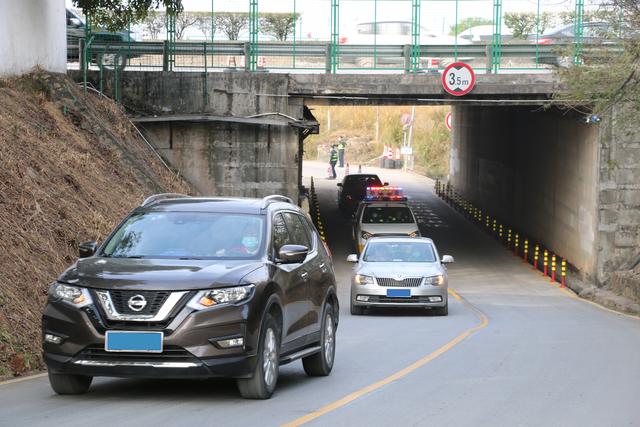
x=333, y=159
x=341, y=145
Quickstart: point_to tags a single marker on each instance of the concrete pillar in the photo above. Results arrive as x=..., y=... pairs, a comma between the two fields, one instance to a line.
x=34, y=33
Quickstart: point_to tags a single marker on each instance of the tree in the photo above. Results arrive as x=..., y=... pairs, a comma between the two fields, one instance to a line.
x=609, y=77
x=118, y=14
x=467, y=23
x=185, y=20
x=278, y=25
x=232, y=23
x=154, y=24
x=205, y=25
x=521, y=23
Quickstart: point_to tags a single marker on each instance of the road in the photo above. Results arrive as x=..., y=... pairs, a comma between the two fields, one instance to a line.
x=514, y=350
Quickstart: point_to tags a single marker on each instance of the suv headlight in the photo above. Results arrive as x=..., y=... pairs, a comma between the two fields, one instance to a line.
x=361, y=279
x=74, y=295
x=212, y=297
x=434, y=280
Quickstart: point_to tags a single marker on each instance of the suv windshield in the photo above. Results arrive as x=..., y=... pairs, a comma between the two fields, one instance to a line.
x=188, y=235
x=387, y=215
x=399, y=252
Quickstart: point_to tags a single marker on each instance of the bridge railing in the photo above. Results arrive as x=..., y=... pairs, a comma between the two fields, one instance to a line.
x=317, y=56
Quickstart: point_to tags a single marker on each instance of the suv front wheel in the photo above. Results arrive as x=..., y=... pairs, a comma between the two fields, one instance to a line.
x=265, y=375
x=69, y=384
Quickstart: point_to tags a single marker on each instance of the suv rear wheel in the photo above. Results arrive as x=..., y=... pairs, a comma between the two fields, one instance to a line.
x=265, y=375
x=69, y=384
x=320, y=364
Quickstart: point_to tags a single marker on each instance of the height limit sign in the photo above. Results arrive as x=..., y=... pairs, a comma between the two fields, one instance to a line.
x=458, y=79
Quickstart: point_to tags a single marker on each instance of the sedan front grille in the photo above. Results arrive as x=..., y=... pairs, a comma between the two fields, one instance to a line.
x=408, y=282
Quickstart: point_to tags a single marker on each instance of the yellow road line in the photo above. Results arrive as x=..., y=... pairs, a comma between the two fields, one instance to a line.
x=398, y=375
x=21, y=379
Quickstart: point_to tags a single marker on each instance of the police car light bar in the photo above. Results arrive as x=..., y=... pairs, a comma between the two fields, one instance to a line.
x=385, y=193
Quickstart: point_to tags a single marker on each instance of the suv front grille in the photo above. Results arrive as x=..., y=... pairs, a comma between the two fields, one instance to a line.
x=170, y=353
x=409, y=282
x=154, y=299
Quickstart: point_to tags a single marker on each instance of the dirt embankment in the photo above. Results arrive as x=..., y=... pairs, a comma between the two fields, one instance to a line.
x=71, y=167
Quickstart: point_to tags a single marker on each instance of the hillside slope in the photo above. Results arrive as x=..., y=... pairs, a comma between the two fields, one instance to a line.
x=71, y=166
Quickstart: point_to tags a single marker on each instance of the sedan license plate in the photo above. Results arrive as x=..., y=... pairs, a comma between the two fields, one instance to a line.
x=133, y=341
x=399, y=293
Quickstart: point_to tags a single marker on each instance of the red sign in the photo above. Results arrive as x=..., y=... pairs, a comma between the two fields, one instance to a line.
x=447, y=120
x=458, y=79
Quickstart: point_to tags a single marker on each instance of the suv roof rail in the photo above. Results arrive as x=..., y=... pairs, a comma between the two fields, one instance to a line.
x=157, y=197
x=274, y=198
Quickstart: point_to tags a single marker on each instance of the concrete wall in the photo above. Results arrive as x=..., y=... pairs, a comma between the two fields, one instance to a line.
x=619, y=195
x=224, y=159
x=535, y=170
x=34, y=32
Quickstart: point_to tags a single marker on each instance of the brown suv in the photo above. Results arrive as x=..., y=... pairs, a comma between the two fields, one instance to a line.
x=191, y=287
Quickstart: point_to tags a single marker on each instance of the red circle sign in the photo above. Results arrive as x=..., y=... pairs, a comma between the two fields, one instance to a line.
x=447, y=120
x=458, y=79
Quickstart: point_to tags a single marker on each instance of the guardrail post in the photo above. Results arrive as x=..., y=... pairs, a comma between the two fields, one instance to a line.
x=489, y=58
x=165, y=55
x=81, y=43
x=246, y=48
x=327, y=61
x=407, y=49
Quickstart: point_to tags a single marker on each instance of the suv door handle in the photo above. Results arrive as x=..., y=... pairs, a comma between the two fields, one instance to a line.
x=323, y=267
x=304, y=275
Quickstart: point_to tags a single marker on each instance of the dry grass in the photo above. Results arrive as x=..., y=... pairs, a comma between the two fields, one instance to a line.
x=72, y=167
x=431, y=138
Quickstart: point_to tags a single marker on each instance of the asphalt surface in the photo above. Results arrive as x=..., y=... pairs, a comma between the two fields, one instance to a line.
x=514, y=350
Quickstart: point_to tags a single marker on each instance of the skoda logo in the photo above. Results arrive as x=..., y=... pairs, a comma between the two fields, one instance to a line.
x=137, y=303
x=399, y=277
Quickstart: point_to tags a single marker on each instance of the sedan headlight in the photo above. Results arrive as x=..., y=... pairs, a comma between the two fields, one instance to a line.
x=435, y=280
x=361, y=279
x=74, y=295
x=212, y=297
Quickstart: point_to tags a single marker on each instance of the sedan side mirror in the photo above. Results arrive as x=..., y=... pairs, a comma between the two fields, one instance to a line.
x=292, y=254
x=87, y=249
x=352, y=258
x=447, y=259
x=339, y=184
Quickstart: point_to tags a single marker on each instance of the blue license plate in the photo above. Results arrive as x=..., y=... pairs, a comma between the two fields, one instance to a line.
x=399, y=293
x=149, y=342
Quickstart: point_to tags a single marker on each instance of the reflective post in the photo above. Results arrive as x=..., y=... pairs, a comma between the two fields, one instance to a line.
x=563, y=272
x=553, y=268
x=509, y=239
x=545, y=262
x=516, y=244
x=525, y=252
x=536, y=254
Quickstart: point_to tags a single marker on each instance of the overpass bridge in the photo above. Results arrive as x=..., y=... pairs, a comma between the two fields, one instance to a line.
x=515, y=153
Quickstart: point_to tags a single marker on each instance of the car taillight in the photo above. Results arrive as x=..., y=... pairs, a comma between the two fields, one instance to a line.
x=343, y=40
x=544, y=41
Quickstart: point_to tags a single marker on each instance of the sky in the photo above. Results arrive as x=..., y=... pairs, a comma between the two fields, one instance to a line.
x=436, y=15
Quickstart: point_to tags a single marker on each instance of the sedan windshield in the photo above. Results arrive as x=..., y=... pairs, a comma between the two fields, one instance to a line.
x=399, y=252
x=188, y=235
x=387, y=215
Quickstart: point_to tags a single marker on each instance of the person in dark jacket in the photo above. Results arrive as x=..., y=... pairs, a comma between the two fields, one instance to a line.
x=333, y=159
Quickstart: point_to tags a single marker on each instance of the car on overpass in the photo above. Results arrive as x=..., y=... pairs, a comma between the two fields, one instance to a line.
x=383, y=212
x=399, y=272
x=191, y=287
x=76, y=31
x=353, y=189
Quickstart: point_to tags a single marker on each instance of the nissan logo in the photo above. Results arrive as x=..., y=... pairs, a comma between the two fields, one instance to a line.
x=137, y=303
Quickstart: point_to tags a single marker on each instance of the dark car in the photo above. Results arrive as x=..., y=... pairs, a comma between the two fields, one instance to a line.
x=76, y=31
x=353, y=189
x=593, y=34
x=191, y=287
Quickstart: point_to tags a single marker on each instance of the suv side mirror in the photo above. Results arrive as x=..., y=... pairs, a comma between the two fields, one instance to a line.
x=292, y=254
x=352, y=258
x=87, y=249
x=447, y=259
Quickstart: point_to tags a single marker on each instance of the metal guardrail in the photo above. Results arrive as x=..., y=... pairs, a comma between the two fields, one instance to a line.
x=204, y=56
